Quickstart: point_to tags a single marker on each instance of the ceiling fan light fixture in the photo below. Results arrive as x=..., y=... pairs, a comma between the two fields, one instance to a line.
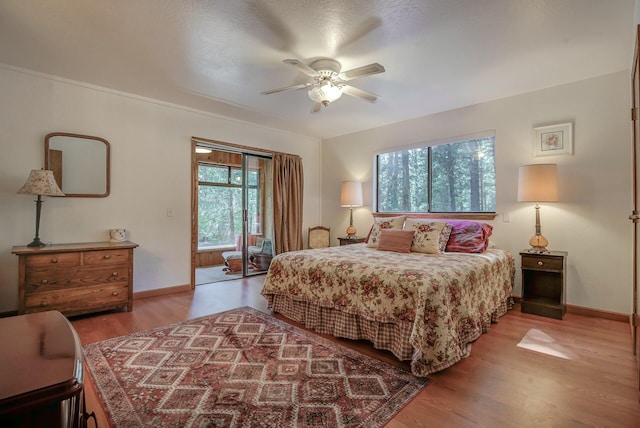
x=325, y=93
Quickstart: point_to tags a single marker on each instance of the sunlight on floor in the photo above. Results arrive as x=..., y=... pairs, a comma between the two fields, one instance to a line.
x=538, y=341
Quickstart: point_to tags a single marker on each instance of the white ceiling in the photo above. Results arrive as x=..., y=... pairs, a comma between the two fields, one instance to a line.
x=218, y=55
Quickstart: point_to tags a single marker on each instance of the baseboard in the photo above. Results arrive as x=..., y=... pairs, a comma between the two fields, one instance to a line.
x=162, y=291
x=588, y=312
x=597, y=313
x=8, y=314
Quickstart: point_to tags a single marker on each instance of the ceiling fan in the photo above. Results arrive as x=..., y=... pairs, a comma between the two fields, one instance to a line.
x=328, y=82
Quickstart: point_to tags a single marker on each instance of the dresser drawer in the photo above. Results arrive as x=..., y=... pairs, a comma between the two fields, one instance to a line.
x=537, y=262
x=63, y=260
x=78, y=300
x=75, y=277
x=103, y=258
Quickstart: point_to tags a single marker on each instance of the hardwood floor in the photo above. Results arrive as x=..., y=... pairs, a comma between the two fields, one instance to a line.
x=592, y=383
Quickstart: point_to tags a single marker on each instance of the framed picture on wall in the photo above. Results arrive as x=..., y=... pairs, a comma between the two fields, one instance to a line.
x=553, y=140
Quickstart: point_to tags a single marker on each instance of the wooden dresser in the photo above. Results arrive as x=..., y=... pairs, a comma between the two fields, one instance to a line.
x=75, y=278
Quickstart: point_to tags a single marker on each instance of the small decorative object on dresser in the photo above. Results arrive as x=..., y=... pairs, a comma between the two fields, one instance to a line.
x=544, y=278
x=349, y=241
x=75, y=278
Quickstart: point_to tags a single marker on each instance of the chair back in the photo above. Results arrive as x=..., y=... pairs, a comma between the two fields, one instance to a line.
x=319, y=237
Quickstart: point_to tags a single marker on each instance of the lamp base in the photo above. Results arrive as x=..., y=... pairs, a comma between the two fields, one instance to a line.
x=538, y=244
x=351, y=232
x=36, y=243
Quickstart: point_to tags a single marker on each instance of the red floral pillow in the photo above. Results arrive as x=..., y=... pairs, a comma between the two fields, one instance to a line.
x=468, y=236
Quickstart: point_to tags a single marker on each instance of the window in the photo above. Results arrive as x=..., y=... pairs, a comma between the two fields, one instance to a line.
x=458, y=177
x=220, y=203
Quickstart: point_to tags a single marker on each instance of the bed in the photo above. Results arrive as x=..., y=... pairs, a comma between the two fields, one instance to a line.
x=426, y=308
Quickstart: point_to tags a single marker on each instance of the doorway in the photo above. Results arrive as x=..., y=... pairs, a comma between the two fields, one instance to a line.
x=232, y=213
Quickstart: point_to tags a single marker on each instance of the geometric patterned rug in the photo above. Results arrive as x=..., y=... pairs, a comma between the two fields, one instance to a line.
x=243, y=368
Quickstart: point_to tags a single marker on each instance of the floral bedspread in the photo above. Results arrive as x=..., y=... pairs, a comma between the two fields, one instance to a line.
x=450, y=298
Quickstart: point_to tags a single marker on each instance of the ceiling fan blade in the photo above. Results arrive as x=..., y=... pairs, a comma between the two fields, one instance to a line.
x=287, y=88
x=365, y=70
x=359, y=93
x=317, y=108
x=302, y=67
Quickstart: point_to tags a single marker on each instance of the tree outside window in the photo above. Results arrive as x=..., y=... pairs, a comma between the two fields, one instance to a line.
x=458, y=177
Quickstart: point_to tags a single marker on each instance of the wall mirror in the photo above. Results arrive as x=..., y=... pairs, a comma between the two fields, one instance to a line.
x=80, y=164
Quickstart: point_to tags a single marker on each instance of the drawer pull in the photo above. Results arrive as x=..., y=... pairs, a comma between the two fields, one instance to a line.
x=107, y=256
x=115, y=293
x=114, y=274
x=44, y=281
x=44, y=303
x=54, y=260
x=540, y=263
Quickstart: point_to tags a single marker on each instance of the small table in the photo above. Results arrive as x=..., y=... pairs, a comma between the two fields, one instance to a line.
x=41, y=371
x=544, y=277
x=349, y=241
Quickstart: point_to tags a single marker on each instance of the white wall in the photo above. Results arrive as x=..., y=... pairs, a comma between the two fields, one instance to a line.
x=591, y=219
x=150, y=172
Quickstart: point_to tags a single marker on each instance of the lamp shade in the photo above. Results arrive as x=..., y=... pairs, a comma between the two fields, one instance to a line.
x=41, y=182
x=538, y=183
x=351, y=194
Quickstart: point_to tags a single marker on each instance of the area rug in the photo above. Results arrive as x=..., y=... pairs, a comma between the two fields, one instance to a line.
x=243, y=368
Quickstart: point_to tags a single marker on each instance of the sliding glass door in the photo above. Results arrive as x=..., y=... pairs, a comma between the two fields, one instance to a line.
x=233, y=213
x=257, y=217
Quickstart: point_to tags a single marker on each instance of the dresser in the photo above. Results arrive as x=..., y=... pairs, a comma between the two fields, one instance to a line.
x=75, y=278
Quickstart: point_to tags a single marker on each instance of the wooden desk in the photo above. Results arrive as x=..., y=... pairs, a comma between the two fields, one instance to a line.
x=41, y=371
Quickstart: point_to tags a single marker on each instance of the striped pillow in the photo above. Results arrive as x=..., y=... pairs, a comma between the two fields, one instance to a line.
x=395, y=240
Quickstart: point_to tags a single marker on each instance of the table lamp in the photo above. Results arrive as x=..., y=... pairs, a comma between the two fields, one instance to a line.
x=538, y=183
x=351, y=196
x=42, y=183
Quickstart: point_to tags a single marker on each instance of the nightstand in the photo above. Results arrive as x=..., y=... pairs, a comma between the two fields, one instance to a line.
x=349, y=241
x=544, y=283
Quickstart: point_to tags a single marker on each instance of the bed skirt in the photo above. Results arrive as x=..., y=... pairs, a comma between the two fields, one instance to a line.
x=394, y=337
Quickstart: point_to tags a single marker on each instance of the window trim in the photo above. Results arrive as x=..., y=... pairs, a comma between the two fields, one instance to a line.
x=490, y=215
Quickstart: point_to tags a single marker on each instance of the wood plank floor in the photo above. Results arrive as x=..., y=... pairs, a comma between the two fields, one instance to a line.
x=592, y=383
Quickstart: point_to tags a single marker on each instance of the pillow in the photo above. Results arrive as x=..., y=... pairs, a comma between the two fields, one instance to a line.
x=468, y=236
x=430, y=236
x=395, y=240
x=380, y=223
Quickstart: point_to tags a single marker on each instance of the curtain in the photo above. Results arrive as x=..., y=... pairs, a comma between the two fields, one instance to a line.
x=288, y=184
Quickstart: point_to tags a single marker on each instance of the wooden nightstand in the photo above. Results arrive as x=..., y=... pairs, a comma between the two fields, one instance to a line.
x=544, y=283
x=347, y=241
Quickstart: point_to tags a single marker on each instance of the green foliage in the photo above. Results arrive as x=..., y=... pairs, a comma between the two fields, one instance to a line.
x=461, y=178
x=220, y=204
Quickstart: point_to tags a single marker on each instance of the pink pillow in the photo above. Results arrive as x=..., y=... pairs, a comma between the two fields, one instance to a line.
x=395, y=240
x=468, y=236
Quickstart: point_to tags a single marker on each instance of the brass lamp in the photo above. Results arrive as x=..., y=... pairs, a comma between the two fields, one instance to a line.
x=42, y=183
x=538, y=183
x=351, y=196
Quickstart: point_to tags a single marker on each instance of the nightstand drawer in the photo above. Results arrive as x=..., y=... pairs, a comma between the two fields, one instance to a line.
x=542, y=262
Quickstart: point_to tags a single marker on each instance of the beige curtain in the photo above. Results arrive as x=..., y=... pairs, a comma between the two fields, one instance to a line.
x=288, y=184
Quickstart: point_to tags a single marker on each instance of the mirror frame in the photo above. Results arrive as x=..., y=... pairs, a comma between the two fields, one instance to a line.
x=87, y=137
